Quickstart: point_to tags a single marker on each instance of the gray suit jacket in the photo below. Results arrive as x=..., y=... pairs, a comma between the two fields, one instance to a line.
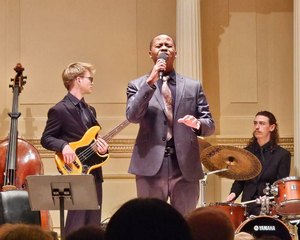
x=145, y=106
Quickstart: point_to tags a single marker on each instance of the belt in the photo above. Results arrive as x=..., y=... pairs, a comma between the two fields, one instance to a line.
x=169, y=151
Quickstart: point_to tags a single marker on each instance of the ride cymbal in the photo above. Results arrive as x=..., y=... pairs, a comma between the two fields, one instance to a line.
x=241, y=164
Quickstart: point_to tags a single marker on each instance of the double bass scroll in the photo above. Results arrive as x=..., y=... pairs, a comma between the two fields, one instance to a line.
x=18, y=158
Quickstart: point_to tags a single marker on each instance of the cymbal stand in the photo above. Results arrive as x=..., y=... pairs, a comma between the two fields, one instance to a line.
x=203, y=182
x=265, y=202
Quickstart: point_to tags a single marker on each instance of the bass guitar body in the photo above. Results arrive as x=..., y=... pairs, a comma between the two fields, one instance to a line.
x=87, y=157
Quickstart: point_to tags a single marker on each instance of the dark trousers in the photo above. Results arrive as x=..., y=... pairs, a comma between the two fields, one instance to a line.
x=169, y=183
x=80, y=218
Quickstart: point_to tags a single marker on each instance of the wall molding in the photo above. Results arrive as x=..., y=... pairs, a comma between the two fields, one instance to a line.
x=122, y=148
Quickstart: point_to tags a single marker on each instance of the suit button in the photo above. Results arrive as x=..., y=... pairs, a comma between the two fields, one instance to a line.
x=145, y=96
x=165, y=122
x=164, y=139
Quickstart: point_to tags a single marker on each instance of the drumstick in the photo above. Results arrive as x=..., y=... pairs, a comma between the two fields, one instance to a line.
x=252, y=201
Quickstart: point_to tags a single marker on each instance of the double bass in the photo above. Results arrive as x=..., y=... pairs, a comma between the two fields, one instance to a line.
x=19, y=158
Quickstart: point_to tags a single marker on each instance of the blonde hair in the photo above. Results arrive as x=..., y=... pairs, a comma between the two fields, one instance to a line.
x=23, y=231
x=243, y=236
x=75, y=70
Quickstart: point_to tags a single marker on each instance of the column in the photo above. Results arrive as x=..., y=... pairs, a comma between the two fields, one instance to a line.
x=296, y=87
x=188, y=39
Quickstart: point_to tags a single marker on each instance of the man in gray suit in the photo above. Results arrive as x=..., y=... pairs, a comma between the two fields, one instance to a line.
x=165, y=158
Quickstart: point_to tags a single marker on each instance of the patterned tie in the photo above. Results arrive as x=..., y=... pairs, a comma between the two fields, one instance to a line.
x=85, y=119
x=167, y=98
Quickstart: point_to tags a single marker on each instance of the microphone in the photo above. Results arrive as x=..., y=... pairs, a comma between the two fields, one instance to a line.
x=164, y=57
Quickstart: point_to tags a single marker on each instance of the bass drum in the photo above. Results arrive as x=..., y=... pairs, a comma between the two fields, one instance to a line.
x=260, y=226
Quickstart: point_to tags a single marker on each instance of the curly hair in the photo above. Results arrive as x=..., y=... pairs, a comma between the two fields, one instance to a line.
x=274, y=139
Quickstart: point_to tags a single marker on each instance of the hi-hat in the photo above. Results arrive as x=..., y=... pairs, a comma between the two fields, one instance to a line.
x=241, y=164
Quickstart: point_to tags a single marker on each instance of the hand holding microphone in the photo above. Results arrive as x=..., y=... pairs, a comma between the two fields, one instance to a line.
x=158, y=69
x=165, y=58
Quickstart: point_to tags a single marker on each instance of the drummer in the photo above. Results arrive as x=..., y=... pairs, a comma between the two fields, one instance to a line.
x=275, y=161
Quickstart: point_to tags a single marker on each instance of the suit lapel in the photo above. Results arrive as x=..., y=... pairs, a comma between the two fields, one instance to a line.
x=265, y=165
x=74, y=111
x=93, y=117
x=180, y=84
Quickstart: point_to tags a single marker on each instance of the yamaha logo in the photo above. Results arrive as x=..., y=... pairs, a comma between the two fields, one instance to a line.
x=264, y=228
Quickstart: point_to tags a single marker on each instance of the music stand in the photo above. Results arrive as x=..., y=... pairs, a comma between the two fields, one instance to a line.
x=62, y=192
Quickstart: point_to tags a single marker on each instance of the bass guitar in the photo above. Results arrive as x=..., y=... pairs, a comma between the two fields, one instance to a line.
x=87, y=157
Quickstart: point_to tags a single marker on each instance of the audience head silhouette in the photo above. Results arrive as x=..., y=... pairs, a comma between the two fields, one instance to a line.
x=147, y=219
x=209, y=223
x=23, y=231
x=87, y=233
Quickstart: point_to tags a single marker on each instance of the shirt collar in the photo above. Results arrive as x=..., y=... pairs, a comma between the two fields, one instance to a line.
x=74, y=99
x=265, y=147
x=172, y=76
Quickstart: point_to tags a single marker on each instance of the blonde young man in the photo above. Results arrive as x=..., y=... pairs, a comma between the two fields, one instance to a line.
x=67, y=122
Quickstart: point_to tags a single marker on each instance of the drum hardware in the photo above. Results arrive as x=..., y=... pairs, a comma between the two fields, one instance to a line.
x=202, y=203
x=265, y=202
x=203, y=183
x=257, y=200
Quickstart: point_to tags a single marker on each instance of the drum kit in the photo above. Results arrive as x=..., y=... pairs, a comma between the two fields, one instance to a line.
x=279, y=213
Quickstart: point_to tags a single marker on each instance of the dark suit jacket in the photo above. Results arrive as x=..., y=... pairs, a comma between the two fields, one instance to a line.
x=64, y=125
x=145, y=106
x=277, y=166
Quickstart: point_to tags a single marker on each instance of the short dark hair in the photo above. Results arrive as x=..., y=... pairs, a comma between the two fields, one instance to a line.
x=88, y=232
x=147, y=219
x=151, y=42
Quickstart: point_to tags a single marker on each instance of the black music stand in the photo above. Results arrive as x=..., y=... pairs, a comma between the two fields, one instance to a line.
x=62, y=192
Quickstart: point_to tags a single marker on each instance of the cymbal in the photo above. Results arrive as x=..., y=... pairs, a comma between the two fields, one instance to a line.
x=202, y=144
x=241, y=164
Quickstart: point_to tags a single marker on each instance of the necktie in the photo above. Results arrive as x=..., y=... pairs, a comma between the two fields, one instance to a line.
x=167, y=98
x=262, y=155
x=85, y=119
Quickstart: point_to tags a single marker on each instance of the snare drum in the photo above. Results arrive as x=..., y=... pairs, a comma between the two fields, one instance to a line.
x=236, y=212
x=259, y=226
x=286, y=192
